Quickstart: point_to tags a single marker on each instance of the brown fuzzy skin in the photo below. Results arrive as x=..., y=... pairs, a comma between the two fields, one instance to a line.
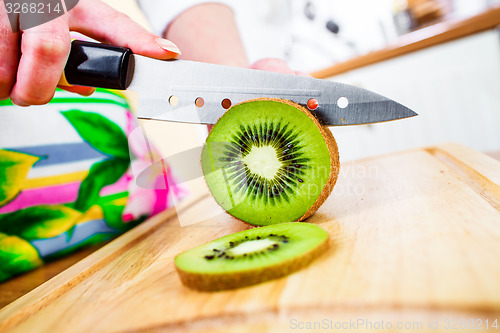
x=332, y=148
x=334, y=166
x=224, y=281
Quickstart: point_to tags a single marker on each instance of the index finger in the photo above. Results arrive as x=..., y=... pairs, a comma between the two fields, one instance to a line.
x=44, y=51
x=97, y=20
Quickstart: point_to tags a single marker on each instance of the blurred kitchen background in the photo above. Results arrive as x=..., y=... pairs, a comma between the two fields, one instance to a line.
x=441, y=58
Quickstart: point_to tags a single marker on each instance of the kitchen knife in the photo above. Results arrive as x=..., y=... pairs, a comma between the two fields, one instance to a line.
x=194, y=92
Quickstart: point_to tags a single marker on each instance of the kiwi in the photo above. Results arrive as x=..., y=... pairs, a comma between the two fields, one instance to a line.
x=270, y=161
x=251, y=256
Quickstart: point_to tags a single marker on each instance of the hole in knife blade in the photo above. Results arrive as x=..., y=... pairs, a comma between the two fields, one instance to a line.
x=312, y=104
x=342, y=102
x=226, y=103
x=199, y=102
x=173, y=100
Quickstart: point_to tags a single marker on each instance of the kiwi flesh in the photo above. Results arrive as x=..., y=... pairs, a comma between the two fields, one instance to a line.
x=251, y=256
x=270, y=161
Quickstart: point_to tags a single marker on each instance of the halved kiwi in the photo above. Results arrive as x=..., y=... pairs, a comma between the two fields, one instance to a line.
x=270, y=161
x=251, y=256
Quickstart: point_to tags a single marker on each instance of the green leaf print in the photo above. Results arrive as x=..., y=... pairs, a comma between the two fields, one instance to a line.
x=100, y=132
x=38, y=222
x=14, y=168
x=100, y=174
x=113, y=216
x=16, y=256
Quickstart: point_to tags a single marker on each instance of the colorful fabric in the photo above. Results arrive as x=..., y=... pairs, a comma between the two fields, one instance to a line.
x=66, y=177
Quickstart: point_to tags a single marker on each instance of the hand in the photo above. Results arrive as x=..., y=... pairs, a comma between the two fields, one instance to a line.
x=274, y=65
x=33, y=61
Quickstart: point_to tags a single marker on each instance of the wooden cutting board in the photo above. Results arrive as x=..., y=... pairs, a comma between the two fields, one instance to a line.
x=415, y=241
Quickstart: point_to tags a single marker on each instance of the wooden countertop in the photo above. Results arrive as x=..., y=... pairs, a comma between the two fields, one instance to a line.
x=418, y=40
x=16, y=287
x=414, y=238
x=20, y=285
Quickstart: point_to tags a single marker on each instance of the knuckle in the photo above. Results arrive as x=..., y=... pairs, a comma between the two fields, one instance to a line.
x=112, y=14
x=121, y=19
x=52, y=49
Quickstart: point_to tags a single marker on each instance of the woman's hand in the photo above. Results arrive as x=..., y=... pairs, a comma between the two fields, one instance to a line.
x=274, y=65
x=32, y=61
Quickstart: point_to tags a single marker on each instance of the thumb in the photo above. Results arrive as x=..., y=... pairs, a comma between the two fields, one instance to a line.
x=99, y=21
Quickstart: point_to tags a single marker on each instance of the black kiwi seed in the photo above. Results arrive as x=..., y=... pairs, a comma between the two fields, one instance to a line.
x=245, y=269
x=284, y=138
x=223, y=255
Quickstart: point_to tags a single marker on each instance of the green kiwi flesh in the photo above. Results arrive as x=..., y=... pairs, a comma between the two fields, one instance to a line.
x=251, y=256
x=269, y=161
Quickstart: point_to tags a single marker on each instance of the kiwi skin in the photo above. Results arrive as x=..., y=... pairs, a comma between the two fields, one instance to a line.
x=334, y=159
x=219, y=282
x=332, y=148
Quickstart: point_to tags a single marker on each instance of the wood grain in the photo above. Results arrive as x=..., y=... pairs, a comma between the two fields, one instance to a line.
x=418, y=40
x=416, y=237
x=16, y=287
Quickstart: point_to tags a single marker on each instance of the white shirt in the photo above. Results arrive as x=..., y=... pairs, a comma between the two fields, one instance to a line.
x=161, y=12
x=260, y=27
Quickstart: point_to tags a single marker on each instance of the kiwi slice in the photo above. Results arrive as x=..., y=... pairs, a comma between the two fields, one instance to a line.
x=270, y=161
x=251, y=256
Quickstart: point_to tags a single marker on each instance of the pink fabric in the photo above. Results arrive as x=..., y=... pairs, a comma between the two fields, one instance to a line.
x=120, y=186
x=51, y=195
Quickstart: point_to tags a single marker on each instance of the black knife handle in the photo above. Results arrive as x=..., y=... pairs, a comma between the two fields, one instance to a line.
x=98, y=65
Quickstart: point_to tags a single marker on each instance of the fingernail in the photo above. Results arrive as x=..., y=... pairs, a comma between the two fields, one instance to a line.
x=167, y=45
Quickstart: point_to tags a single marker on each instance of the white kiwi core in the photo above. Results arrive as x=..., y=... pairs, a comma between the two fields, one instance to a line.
x=251, y=246
x=263, y=161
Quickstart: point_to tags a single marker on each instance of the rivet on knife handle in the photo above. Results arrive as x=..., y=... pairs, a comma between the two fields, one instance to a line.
x=98, y=65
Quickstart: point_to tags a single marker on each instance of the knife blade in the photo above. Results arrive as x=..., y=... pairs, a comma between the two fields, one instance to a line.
x=168, y=89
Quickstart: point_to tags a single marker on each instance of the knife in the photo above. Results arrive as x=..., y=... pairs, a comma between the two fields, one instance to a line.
x=195, y=92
